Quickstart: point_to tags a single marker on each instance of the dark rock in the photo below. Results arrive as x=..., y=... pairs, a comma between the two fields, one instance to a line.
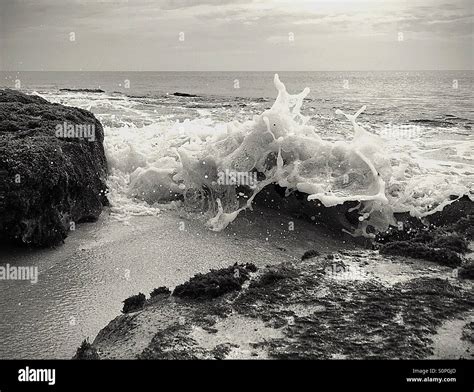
x=467, y=271
x=437, y=123
x=271, y=276
x=422, y=234
x=465, y=226
x=310, y=254
x=430, y=236
x=251, y=267
x=222, y=350
x=177, y=94
x=134, y=303
x=83, y=90
x=86, y=352
x=441, y=242
x=451, y=241
x=421, y=251
x=453, y=213
x=296, y=204
x=160, y=291
x=215, y=283
x=48, y=181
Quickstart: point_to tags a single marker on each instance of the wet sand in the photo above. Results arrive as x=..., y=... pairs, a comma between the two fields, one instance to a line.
x=82, y=284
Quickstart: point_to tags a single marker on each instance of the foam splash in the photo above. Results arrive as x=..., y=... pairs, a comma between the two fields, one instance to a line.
x=184, y=160
x=167, y=161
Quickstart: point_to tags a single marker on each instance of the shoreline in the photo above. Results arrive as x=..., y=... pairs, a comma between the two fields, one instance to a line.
x=100, y=254
x=81, y=284
x=389, y=308
x=108, y=260
x=342, y=302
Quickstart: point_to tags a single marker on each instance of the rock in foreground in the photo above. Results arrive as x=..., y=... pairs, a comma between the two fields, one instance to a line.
x=351, y=304
x=52, y=169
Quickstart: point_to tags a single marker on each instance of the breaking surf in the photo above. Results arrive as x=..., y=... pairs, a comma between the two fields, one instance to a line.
x=199, y=164
x=163, y=155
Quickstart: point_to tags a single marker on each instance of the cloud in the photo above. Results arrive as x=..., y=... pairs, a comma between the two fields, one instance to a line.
x=144, y=33
x=180, y=4
x=440, y=27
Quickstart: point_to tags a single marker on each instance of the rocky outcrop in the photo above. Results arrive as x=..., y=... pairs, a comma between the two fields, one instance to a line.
x=52, y=169
x=350, y=304
x=407, y=295
x=444, y=243
x=82, y=90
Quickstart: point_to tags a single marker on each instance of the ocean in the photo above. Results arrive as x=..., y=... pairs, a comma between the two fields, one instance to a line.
x=414, y=151
x=426, y=116
x=443, y=97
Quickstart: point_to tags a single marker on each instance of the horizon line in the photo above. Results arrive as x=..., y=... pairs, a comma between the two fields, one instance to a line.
x=273, y=71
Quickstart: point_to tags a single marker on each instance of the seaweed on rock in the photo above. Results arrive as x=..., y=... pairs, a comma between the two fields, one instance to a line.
x=422, y=251
x=47, y=182
x=160, y=291
x=215, y=283
x=467, y=271
x=86, y=351
x=134, y=303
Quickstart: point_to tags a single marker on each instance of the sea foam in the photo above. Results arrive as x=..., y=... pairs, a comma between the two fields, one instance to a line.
x=161, y=161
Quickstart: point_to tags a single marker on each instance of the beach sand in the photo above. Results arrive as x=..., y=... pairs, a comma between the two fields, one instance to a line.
x=81, y=284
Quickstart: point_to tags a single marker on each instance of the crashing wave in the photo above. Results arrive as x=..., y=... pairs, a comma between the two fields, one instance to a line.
x=208, y=167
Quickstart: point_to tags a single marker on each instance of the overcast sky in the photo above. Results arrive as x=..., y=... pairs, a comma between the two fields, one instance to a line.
x=232, y=35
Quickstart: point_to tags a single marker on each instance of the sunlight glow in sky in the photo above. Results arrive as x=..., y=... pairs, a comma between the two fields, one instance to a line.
x=231, y=35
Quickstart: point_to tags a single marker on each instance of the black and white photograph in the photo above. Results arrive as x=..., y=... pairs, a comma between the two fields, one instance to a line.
x=221, y=180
